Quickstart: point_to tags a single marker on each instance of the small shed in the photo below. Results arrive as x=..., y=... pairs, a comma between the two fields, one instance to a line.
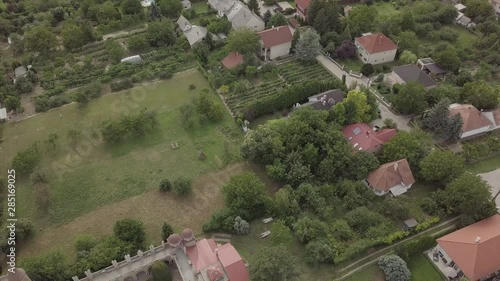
x=3, y=114
x=20, y=71
x=410, y=224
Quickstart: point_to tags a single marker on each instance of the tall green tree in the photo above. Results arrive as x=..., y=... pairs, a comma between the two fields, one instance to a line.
x=481, y=94
x=442, y=166
x=274, y=263
x=245, y=195
x=132, y=7
x=408, y=40
x=115, y=51
x=130, y=231
x=161, y=33
x=324, y=16
x=362, y=19
x=394, y=268
x=277, y=20
x=469, y=195
x=308, y=45
x=40, y=39
x=413, y=146
x=359, y=99
x=253, y=5
x=448, y=58
x=170, y=8
x=281, y=234
x=243, y=40
x=161, y=271
x=49, y=266
x=408, y=57
x=410, y=99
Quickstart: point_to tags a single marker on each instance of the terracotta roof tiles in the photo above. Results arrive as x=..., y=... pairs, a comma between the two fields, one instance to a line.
x=472, y=118
x=276, y=36
x=390, y=175
x=376, y=43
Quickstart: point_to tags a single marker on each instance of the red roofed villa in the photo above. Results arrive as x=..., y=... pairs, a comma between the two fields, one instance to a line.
x=473, y=251
x=475, y=122
x=205, y=260
x=375, y=48
x=395, y=177
x=362, y=137
x=232, y=60
x=302, y=6
x=275, y=42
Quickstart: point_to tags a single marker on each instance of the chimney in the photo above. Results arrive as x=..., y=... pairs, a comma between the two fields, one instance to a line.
x=380, y=39
x=477, y=239
x=396, y=166
x=217, y=252
x=278, y=28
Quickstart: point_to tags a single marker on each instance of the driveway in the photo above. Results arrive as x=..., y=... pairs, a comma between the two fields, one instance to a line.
x=493, y=179
x=401, y=121
x=337, y=71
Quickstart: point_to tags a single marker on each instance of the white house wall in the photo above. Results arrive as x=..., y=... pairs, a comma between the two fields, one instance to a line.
x=280, y=50
x=375, y=58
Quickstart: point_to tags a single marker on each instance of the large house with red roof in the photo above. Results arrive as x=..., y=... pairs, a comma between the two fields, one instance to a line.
x=302, y=6
x=473, y=251
x=394, y=177
x=364, y=138
x=275, y=42
x=375, y=48
x=205, y=260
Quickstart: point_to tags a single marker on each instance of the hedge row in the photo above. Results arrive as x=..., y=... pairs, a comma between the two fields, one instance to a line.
x=288, y=97
x=481, y=148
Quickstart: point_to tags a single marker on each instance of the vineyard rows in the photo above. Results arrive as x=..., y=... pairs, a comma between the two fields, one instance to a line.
x=292, y=73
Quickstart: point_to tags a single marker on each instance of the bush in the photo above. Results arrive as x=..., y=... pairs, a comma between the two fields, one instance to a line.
x=481, y=148
x=380, y=78
x=367, y=69
x=130, y=231
x=318, y=252
x=166, y=230
x=181, y=186
x=165, y=185
x=192, y=87
x=161, y=271
x=121, y=85
x=222, y=220
x=26, y=160
x=428, y=223
x=84, y=242
x=389, y=123
x=241, y=226
x=394, y=268
x=165, y=74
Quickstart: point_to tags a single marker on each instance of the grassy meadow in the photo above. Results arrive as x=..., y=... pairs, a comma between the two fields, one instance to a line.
x=88, y=177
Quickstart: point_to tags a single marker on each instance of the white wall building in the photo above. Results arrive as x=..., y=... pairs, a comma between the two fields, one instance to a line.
x=375, y=48
x=275, y=42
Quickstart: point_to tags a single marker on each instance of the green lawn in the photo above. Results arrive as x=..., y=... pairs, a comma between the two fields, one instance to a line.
x=385, y=8
x=200, y=7
x=352, y=64
x=87, y=176
x=485, y=166
x=422, y=269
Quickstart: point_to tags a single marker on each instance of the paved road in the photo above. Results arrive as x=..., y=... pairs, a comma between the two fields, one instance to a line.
x=337, y=71
x=493, y=178
x=401, y=121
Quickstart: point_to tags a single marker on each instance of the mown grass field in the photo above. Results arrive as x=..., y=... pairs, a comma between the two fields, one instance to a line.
x=91, y=175
x=484, y=166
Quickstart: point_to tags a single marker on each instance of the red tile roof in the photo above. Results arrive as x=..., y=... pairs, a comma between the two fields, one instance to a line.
x=303, y=4
x=362, y=137
x=232, y=60
x=376, y=43
x=276, y=36
x=203, y=254
x=475, y=248
x=206, y=255
x=390, y=175
x=233, y=263
x=472, y=118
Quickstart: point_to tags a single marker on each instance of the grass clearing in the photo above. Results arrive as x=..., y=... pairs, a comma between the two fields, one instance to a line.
x=200, y=7
x=89, y=176
x=484, y=166
x=422, y=269
x=372, y=273
x=385, y=8
x=353, y=64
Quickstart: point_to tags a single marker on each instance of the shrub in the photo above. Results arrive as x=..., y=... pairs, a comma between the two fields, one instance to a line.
x=367, y=69
x=161, y=272
x=241, y=226
x=165, y=185
x=26, y=160
x=389, y=123
x=221, y=220
x=181, y=186
x=394, y=268
x=428, y=223
x=130, y=231
x=84, y=242
x=318, y=252
x=121, y=85
x=398, y=235
x=192, y=87
x=165, y=74
x=380, y=78
x=166, y=230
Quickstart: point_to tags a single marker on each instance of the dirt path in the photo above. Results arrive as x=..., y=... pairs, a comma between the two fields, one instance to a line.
x=153, y=208
x=372, y=258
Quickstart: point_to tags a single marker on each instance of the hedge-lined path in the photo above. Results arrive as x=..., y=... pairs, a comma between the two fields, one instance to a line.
x=373, y=258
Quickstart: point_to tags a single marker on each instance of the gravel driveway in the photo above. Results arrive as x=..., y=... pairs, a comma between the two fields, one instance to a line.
x=493, y=178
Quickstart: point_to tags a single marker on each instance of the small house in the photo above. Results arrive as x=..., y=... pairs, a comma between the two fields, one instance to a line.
x=363, y=138
x=241, y=16
x=394, y=177
x=193, y=33
x=325, y=100
x=375, y=48
x=410, y=73
x=275, y=42
x=475, y=122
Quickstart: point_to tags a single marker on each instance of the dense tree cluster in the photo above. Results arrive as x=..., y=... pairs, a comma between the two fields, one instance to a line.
x=438, y=120
x=137, y=125
x=304, y=146
x=394, y=268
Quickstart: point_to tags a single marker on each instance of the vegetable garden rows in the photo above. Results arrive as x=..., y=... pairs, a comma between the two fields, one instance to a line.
x=292, y=73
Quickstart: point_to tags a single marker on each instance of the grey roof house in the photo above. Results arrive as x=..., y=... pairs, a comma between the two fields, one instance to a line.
x=238, y=14
x=325, y=100
x=193, y=33
x=410, y=72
